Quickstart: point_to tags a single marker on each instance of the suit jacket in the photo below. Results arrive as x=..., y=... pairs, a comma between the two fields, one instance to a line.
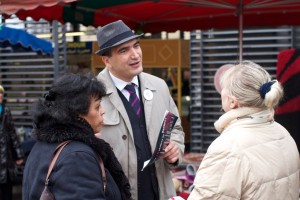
x=118, y=132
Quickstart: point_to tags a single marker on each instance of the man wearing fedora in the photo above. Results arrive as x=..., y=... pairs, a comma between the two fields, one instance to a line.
x=135, y=105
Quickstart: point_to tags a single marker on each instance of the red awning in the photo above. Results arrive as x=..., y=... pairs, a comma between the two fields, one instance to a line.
x=163, y=15
x=9, y=7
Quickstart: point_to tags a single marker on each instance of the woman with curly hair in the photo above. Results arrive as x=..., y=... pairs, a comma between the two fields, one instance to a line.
x=71, y=111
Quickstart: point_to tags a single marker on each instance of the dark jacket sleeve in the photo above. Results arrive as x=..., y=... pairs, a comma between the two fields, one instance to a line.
x=11, y=133
x=77, y=176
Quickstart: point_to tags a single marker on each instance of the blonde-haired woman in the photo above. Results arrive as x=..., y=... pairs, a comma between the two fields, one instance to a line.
x=254, y=157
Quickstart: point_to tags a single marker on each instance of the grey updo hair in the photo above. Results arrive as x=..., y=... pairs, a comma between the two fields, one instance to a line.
x=244, y=81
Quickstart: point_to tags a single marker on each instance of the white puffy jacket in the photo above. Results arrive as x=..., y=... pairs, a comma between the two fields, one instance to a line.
x=253, y=158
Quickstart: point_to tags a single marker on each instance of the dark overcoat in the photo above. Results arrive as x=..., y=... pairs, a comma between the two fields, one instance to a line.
x=76, y=175
x=10, y=149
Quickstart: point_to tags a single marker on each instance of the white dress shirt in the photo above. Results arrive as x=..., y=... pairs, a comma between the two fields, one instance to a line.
x=120, y=84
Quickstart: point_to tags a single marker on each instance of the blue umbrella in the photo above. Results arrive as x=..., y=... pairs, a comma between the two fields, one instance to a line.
x=18, y=36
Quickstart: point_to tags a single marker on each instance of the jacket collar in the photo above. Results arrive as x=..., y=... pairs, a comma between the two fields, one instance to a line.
x=244, y=114
x=110, y=86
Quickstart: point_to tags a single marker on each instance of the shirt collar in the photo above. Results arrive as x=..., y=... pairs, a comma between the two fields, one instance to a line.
x=120, y=84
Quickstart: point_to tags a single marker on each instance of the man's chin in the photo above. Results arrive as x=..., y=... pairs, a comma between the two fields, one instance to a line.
x=139, y=70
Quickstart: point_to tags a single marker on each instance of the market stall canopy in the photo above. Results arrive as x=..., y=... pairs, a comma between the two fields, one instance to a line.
x=163, y=15
x=27, y=40
x=155, y=16
x=12, y=6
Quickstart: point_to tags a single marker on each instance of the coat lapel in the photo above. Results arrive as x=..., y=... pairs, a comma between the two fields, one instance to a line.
x=145, y=85
x=113, y=103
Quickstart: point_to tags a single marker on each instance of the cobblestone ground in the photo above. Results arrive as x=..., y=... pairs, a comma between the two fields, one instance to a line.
x=17, y=192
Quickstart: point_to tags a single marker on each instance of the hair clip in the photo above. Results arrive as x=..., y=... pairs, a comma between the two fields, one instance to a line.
x=265, y=88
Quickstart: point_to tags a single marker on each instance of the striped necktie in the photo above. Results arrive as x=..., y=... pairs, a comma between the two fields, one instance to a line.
x=133, y=99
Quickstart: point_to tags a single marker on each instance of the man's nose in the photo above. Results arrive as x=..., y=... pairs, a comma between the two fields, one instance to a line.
x=134, y=53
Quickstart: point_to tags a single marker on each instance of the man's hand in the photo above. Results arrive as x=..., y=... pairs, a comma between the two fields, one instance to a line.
x=171, y=154
x=19, y=162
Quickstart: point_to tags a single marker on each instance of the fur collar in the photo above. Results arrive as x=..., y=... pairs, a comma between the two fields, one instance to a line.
x=54, y=132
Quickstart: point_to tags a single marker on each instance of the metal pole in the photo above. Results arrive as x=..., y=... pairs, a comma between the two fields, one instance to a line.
x=56, y=46
x=240, y=13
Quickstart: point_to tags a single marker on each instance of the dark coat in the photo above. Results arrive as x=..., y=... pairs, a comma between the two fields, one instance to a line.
x=77, y=174
x=10, y=150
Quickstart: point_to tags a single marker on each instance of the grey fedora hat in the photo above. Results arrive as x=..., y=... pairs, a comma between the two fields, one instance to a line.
x=114, y=34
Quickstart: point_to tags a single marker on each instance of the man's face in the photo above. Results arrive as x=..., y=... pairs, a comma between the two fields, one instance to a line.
x=125, y=61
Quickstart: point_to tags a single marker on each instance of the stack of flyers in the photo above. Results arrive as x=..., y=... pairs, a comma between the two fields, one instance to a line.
x=163, y=138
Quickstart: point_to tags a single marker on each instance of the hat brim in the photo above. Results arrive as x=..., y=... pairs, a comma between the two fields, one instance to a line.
x=101, y=51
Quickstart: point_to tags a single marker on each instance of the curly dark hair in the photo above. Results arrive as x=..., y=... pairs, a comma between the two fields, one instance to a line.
x=68, y=98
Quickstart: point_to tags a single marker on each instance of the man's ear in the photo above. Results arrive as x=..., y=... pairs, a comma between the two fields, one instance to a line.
x=234, y=103
x=105, y=60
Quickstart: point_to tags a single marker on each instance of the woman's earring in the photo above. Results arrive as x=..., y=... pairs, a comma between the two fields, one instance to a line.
x=80, y=119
